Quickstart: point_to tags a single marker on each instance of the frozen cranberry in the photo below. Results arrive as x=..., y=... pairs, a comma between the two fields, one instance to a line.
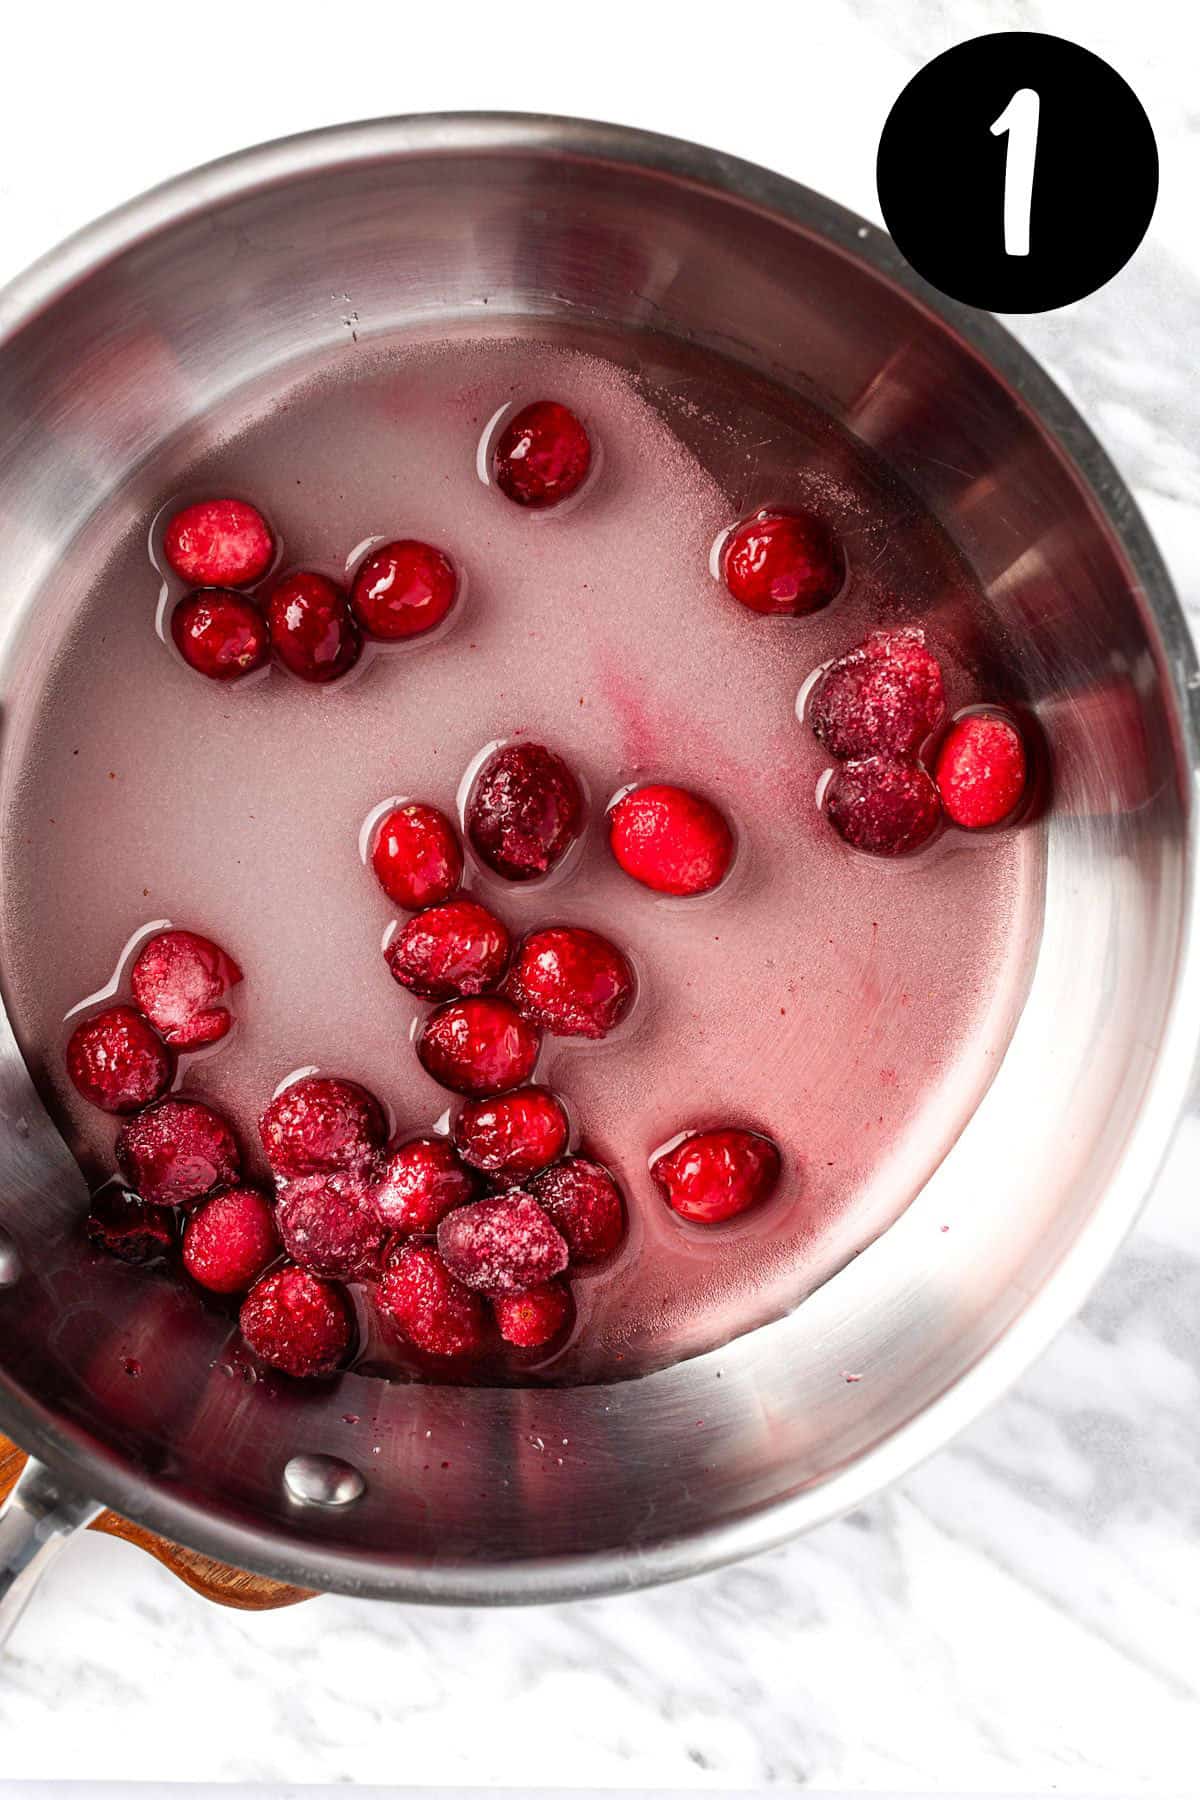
x=479, y=1046
x=584, y=1203
x=886, y=805
x=980, y=770
x=429, y=1307
x=420, y=1183
x=715, y=1175
x=313, y=632
x=230, y=1240
x=670, y=840
x=783, y=562
x=321, y=1123
x=177, y=1151
x=572, y=982
x=403, y=589
x=505, y=1245
x=416, y=856
x=219, y=543
x=298, y=1322
x=524, y=812
x=219, y=634
x=542, y=455
x=178, y=980
x=535, y=1318
x=117, y=1062
x=884, y=698
x=451, y=950
x=512, y=1136
x=329, y=1223
x=128, y=1227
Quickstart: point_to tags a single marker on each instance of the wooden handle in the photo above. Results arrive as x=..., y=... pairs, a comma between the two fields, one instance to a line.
x=214, y=1580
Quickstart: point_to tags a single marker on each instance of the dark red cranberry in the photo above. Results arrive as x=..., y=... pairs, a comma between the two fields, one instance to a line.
x=313, y=632
x=542, y=455
x=179, y=980
x=584, y=1203
x=524, y=812
x=230, y=1240
x=783, y=562
x=882, y=699
x=479, y=1046
x=329, y=1223
x=117, y=1062
x=448, y=951
x=403, y=589
x=219, y=543
x=715, y=1175
x=177, y=1151
x=670, y=840
x=425, y=1303
x=981, y=770
x=220, y=634
x=512, y=1136
x=416, y=856
x=128, y=1227
x=321, y=1123
x=536, y=1318
x=298, y=1322
x=885, y=805
x=505, y=1245
x=572, y=982
x=421, y=1182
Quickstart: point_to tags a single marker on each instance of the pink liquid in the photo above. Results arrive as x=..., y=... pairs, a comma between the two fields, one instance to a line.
x=854, y=1009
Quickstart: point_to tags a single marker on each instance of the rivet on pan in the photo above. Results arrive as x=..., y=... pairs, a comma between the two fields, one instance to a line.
x=322, y=1481
x=10, y=1262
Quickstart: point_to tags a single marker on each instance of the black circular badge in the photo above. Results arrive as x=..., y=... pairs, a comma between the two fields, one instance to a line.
x=1017, y=172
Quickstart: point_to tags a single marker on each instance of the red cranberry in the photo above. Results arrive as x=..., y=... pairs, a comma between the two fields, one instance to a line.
x=403, y=589
x=421, y=1182
x=117, y=1062
x=313, y=632
x=219, y=634
x=329, y=1224
x=536, y=1318
x=505, y=1245
x=416, y=856
x=524, y=812
x=981, y=771
x=177, y=1151
x=783, y=562
x=479, y=1046
x=178, y=980
x=321, y=1123
x=885, y=698
x=572, y=982
x=451, y=950
x=542, y=455
x=298, y=1322
x=126, y=1226
x=219, y=543
x=886, y=805
x=584, y=1203
x=436, y=1313
x=715, y=1175
x=513, y=1136
x=230, y=1240
x=670, y=840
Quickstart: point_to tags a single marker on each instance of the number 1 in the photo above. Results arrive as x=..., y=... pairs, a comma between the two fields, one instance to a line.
x=1020, y=121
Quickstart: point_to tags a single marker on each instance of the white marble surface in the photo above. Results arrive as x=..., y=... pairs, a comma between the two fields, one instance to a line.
x=1023, y=1614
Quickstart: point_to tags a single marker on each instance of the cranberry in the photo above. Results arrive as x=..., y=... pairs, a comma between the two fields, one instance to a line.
x=715, y=1175
x=128, y=1227
x=403, y=589
x=572, y=982
x=451, y=950
x=297, y=1322
x=783, y=562
x=429, y=1307
x=230, y=1240
x=329, y=1224
x=313, y=632
x=219, y=634
x=505, y=1245
x=980, y=770
x=542, y=455
x=584, y=1203
x=321, y=1123
x=416, y=856
x=421, y=1182
x=479, y=1046
x=177, y=1151
x=513, y=1136
x=886, y=805
x=219, y=543
x=884, y=698
x=670, y=840
x=535, y=1318
x=117, y=1062
x=178, y=980
x=524, y=812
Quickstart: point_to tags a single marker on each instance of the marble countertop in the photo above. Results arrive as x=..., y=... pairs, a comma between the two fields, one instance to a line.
x=1023, y=1613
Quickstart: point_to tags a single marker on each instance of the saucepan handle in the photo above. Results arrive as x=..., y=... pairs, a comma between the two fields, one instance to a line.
x=40, y=1514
